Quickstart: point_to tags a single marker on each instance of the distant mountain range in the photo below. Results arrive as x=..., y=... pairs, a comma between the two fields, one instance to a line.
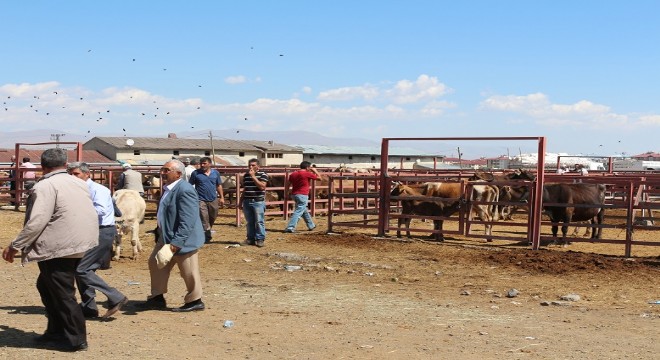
x=9, y=139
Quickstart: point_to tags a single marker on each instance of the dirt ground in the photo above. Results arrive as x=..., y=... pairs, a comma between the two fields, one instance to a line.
x=311, y=295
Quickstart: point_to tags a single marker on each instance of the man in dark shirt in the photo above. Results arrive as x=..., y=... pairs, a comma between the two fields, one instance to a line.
x=208, y=184
x=253, y=203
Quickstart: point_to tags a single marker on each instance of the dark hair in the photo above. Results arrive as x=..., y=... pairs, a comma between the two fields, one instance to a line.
x=194, y=161
x=53, y=158
x=205, y=159
x=26, y=159
x=305, y=164
x=254, y=160
x=83, y=166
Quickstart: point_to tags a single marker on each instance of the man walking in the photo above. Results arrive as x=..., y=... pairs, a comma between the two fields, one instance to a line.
x=87, y=279
x=61, y=225
x=253, y=203
x=180, y=228
x=299, y=183
x=208, y=184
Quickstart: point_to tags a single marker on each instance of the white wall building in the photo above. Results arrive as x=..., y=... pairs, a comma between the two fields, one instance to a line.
x=154, y=151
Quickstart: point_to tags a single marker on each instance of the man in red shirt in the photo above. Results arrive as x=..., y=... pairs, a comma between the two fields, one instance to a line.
x=299, y=182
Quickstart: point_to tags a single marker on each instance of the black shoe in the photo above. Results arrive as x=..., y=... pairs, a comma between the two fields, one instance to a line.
x=49, y=337
x=289, y=230
x=155, y=303
x=116, y=307
x=208, y=236
x=196, y=305
x=248, y=242
x=259, y=243
x=74, y=348
x=90, y=314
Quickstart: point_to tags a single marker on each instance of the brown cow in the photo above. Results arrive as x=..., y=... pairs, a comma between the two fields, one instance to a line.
x=479, y=193
x=508, y=193
x=423, y=208
x=574, y=194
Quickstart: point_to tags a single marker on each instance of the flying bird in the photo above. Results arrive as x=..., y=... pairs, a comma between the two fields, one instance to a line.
x=123, y=129
x=55, y=92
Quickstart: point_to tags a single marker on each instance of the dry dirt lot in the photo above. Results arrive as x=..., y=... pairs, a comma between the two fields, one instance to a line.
x=358, y=297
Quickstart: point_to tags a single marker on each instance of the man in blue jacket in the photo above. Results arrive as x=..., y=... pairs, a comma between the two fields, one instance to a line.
x=180, y=228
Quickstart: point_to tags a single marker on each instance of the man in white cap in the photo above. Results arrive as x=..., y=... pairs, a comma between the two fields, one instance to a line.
x=130, y=179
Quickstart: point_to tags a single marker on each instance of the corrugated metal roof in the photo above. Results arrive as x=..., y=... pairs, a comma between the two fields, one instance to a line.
x=89, y=156
x=362, y=150
x=143, y=143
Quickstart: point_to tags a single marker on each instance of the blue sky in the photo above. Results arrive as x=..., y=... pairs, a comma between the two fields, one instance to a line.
x=584, y=74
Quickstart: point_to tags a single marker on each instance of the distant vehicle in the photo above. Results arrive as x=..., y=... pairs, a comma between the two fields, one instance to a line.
x=635, y=165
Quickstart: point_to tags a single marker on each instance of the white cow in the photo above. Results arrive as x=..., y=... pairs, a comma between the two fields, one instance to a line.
x=132, y=207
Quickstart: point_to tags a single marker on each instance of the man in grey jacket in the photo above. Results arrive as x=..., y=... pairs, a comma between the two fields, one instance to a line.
x=130, y=179
x=61, y=225
x=180, y=228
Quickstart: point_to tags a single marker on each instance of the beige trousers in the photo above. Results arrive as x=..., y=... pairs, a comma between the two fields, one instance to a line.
x=188, y=267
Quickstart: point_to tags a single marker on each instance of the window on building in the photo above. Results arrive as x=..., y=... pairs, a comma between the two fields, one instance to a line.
x=136, y=152
x=373, y=158
x=350, y=157
x=207, y=153
x=241, y=154
x=175, y=152
x=275, y=156
x=408, y=159
x=311, y=156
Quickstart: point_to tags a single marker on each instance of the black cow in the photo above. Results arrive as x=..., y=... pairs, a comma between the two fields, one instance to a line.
x=574, y=194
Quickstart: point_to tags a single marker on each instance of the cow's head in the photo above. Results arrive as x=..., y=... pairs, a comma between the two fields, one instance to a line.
x=481, y=175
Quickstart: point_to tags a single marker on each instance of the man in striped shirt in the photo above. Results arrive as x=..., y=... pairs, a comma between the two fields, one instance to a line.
x=253, y=203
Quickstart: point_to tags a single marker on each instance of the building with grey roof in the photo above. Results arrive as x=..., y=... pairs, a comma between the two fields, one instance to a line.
x=151, y=150
x=365, y=156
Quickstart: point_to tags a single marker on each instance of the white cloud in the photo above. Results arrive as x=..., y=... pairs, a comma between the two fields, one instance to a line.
x=367, y=92
x=307, y=90
x=424, y=88
x=539, y=107
x=238, y=79
x=649, y=120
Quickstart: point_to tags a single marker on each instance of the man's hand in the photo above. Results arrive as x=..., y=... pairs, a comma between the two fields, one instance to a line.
x=8, y=254
x=174, y=249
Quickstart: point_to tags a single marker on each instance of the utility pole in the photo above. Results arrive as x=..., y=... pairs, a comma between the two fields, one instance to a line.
x=56, y=137
x=212, y=148
x=460, y=163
